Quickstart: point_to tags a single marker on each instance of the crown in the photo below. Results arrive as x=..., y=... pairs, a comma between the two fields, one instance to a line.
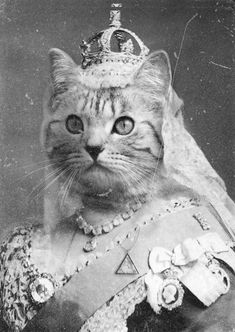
x=113, y=45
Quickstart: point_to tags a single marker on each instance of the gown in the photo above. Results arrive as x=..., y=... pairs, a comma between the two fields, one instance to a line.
x=97, y=298
x=177, y=276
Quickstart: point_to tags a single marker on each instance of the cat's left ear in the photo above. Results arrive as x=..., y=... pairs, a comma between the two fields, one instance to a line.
x=63, y=70
x=154, y=75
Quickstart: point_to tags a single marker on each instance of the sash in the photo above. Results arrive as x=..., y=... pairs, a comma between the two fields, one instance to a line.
x=96, y=284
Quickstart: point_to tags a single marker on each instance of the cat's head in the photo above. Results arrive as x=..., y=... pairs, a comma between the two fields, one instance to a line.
x=106, y=141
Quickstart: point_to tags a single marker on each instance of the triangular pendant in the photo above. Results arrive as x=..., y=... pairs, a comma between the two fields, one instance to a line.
x=127, y=266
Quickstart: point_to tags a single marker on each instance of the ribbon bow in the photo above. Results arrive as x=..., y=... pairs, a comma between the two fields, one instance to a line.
x=192, y=264
x=188, y=251
x=161, y=259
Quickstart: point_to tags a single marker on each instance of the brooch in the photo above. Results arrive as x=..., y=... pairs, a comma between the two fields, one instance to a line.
x=171, y=294
x=164, y=288
x=90, y=245
x=41, y=289
x=192, y=264
x=167, y=293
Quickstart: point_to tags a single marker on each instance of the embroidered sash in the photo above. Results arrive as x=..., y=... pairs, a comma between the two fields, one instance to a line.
x=91, y=288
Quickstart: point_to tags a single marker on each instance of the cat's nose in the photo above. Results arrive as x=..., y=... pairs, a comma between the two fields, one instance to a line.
x=94, y=151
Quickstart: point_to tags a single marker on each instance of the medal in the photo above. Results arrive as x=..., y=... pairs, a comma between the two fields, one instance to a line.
x=41, y=289
x=171, y=294
x=127, y=266
x=206, y=283
x=167, y=293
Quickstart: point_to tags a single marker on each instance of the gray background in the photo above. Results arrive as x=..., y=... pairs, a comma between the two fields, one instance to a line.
x=29, y=28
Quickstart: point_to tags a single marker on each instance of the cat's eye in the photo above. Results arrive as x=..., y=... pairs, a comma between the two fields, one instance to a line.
x=74, y=124
x=123, y=126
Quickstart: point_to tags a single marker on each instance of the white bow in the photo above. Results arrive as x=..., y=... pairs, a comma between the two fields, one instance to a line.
x=190, y=250
x=191, y=263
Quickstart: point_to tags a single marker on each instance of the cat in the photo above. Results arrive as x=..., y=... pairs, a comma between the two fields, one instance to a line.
x=104, y=144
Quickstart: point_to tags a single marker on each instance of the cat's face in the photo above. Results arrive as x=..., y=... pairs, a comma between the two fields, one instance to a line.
x=104, y=141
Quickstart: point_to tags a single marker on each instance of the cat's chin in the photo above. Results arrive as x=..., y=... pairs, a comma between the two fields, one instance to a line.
x=98, y=183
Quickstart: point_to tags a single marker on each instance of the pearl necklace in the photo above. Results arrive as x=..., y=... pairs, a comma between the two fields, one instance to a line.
x=107, y=227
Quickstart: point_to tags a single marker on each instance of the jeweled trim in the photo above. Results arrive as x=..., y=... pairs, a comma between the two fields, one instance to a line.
x=17, y=271
x=112, y=316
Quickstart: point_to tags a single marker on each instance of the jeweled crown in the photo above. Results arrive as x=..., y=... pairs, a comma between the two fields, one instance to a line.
x=113, y=45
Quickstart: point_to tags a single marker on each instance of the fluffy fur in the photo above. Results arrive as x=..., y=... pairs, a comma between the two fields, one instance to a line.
x=128, y=165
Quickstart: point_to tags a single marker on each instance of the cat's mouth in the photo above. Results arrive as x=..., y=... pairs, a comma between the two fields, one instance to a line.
x=96, y=167
x=98, y=180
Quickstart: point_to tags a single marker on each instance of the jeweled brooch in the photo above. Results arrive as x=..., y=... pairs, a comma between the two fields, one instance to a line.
x=41, y=289
x=171, y=294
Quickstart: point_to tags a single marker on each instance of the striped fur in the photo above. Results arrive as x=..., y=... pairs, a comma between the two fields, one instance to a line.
x=128, y=164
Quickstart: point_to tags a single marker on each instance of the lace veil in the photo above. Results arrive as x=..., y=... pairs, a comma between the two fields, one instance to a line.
x=186, y=163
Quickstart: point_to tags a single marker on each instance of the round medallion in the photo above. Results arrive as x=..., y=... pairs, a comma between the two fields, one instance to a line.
x=41, y=289
x=171, y=294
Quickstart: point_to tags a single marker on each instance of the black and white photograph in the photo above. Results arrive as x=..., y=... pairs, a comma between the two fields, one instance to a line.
x=117, y=172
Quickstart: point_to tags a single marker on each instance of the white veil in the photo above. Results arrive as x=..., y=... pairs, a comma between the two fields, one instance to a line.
x=185, y=163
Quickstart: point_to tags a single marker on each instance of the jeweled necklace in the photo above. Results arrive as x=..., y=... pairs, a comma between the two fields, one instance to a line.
x=107, y=227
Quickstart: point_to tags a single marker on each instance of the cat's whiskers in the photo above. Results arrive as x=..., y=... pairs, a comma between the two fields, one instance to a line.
x=39, y=187
x=136, y=170
x=73, y=176
x=33, y=172
x=136, y=176
x=49, y=163
x=34, y=164
x=66, y=186
x=74, y=155
x=142, y=171
x=130, y=188
x=63, y=184
x=135, y=179
x=61, y=172
x=124, y=179
x=42, y=186
x=137, y=167
x=123, y=165
x=133, y=173
x=77, y=160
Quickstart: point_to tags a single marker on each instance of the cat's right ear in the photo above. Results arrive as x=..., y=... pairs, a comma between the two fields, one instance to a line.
x=62, y=70
x=154, y=75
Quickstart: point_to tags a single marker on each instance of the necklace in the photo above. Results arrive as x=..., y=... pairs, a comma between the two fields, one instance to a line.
x=87, y=228
x=96, y=230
